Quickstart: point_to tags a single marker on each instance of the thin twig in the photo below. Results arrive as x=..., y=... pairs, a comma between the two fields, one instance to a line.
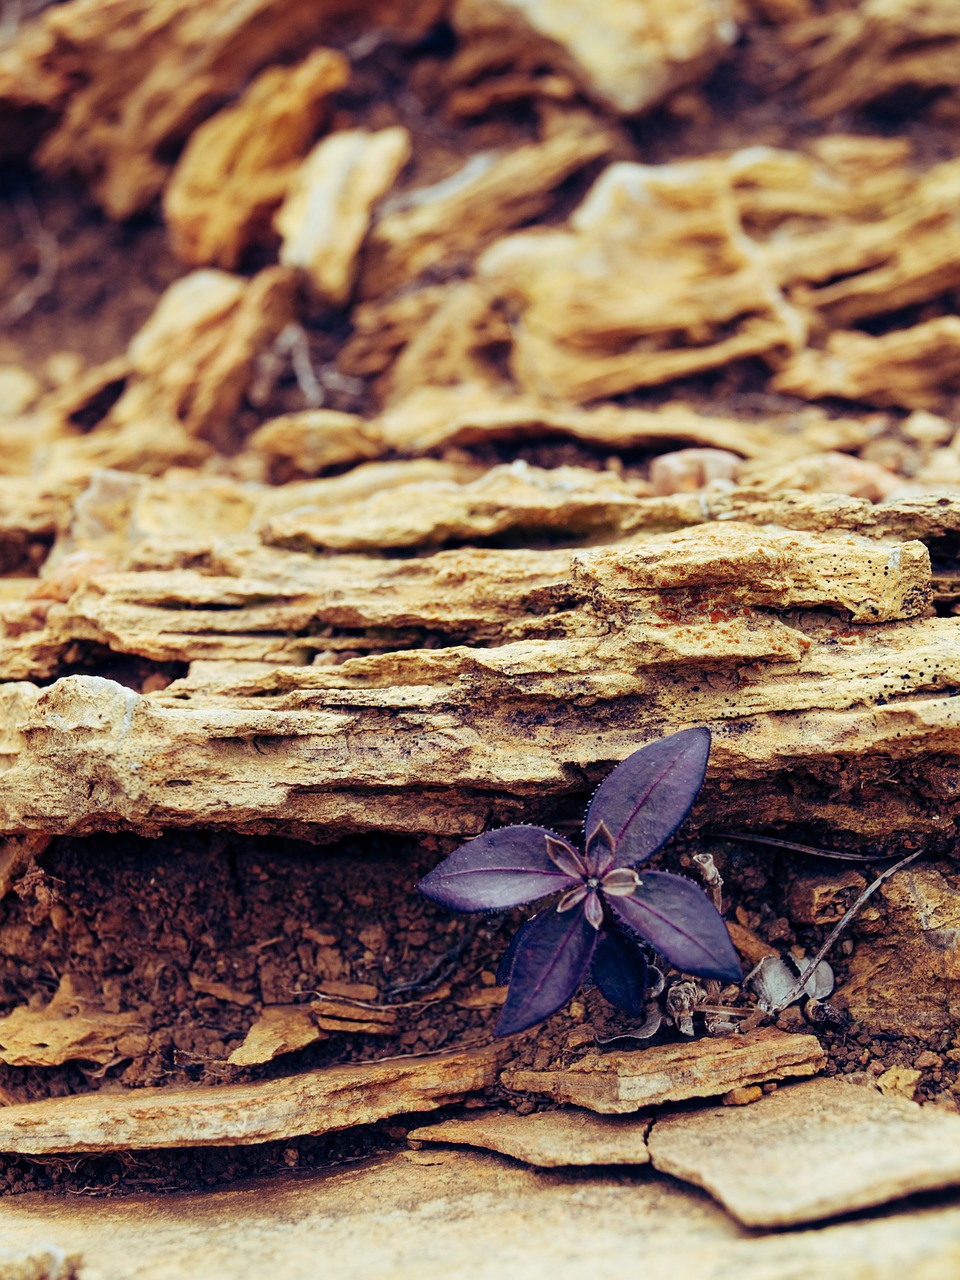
x=48, y=254
x=836, y=931
x=804, y=848
x=438, y=972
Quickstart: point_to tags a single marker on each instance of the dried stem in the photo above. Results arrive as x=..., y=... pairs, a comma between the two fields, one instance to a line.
x=48, y=254
x=835, y=932
x=712, y=879
x=803, y=848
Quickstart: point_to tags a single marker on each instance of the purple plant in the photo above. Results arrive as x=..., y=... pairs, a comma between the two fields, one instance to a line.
x=605, y=907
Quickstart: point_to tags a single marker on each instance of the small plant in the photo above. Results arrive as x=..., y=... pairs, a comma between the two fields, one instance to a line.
x=605, y=907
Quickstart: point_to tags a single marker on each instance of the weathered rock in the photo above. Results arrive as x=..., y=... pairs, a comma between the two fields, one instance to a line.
x=17, y=854
x=280, y=1029
x=906, y=980
x=899, y=1082
x=619, y=1082
x=628, y=56
x=809, y=1151
x=436, y=417
x=604, y=622
x=320, y=1101
x=515, y=497
x=40, y=1263
x=871, y=52
x=432, y=1220
x=823, y=897
x=72, y=1027
x=328, y=209
x=19, y=389
x=914, y=368
x=309, y=442
x=132, y=78
x=235, y=169
x=820, y=473
x=548, y=1139
x=445, y=225
x=194, y=359
x=687, y=287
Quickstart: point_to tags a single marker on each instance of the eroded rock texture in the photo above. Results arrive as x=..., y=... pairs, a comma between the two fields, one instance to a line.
x=525, y=381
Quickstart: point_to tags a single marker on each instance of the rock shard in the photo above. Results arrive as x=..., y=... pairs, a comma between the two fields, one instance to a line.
x=547, y=1139
x=623, y=1081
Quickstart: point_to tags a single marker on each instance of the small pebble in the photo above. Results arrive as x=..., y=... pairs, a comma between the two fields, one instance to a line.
x=743, y=1095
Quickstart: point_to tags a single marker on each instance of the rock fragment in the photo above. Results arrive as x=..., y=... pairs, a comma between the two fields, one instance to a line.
x=308, y=442
x=445, y=225
x=194, y=359
x=619, y=1082
x=628, y=56
x=809, y=1151
x=321, y=1101
x=905, y=980
x=236, y=167
x=914, y=368
x=280, y=1029
x=548, y=1139
x=328, y=209
x=131, y=79
x=72, y=1027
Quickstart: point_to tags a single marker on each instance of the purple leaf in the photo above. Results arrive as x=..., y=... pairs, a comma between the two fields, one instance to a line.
x=644, y=800
x=498, y=870
x=620, y=971
x=679, y=920
x=553, y=954
x=505, y=967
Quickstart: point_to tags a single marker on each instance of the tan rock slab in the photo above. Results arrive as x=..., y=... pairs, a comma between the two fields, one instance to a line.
x=314, y=439
x=416, y=1219
x=471, y=413
x=620, y=1082
x=72, y=1027
x=321, y=1101
x=39, y=1264
x=873, y=237
x=548, y=1139
x=810, y=1151
x=236, y=166
x=193, y=360
x=327, y=212
x=874, y=51
x=282, y=1028
x=627, y=55
x=915, y=368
